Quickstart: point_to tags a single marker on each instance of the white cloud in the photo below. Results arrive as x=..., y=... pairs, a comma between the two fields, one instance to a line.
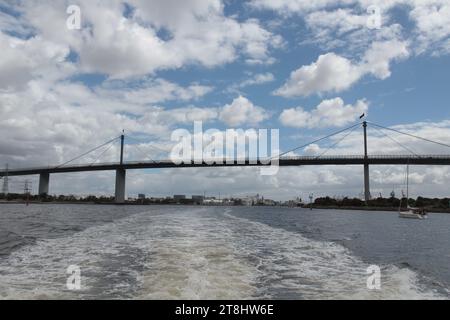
x=333, y=73
x=432, y=18
x=22, y=60
x=121, y=48
x=342, y=23
x=330, y=72
x=185, y=115
x=252, y=80
x=152, y=91
x=329, y=113
x=152, y=36
x=48, y=123
x=256, y=79
x=297, y=6
x=377, y=59
x=339, y=20
x=242, y=111
x=312, y=150
x=346, y=29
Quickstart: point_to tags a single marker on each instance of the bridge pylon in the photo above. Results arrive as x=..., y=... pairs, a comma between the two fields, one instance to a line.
x=120, y=186
x=120, y=177
x=366, y=166
x=44, y=181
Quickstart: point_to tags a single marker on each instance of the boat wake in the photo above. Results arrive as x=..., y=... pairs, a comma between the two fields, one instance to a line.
x=197, y=253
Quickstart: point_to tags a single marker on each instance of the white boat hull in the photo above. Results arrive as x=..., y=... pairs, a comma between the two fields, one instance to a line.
x=411, y=215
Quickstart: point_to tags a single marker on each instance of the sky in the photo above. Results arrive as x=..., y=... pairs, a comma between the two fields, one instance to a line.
x=307, y=68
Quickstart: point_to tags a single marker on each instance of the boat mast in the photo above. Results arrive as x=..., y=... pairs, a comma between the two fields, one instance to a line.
x=407, y=186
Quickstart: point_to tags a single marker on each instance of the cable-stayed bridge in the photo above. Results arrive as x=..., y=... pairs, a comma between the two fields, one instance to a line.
x=284, y=159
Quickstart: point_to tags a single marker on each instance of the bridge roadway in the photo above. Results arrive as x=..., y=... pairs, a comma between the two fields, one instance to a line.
x=283, y=162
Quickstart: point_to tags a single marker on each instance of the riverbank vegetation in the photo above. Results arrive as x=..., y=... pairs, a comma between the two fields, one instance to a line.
x=382, y=204
x=431, y=204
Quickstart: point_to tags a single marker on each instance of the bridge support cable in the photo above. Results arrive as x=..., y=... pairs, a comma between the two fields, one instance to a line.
x=338, y=142
x=411, y=135
x=86, y=153
x=318, y=140
x=397, y=142
x=104, y=151
x=143, y=152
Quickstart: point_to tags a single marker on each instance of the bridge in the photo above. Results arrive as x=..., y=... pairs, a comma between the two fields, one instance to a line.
x=284, y=159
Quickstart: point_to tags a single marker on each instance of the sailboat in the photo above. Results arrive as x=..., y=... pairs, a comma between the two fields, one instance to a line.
x=410, y=213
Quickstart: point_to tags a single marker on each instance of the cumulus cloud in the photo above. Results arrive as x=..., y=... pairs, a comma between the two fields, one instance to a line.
x=252, y=80
x=152, y=91
x=22, y=60
x=329, y=113
x=242, y=111
x=47, y=123
x=297, y=6
x=46, y=118
x=124, y=41
x=377, y=59
x=312, y=150
x=343, y=23
x=333, y=73
x=330, y=72
x=341, y=20
x=259, y=78
x=432, y=20
x=348, y=30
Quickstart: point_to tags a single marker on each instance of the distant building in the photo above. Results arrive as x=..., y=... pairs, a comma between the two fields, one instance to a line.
x=212, y=201
x=141, y=196
x=248, y=201
x=297, y=202
x=228, y=202
x=198, y=199
x=179, y=198
x=269, y=202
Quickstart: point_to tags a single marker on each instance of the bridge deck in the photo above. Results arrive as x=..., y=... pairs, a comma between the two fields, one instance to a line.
x=284, y=161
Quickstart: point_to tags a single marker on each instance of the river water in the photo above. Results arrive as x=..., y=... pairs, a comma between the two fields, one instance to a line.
x=190, y=252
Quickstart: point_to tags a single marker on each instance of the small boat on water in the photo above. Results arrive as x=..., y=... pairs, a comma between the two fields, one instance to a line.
x=410, y=213
x=413, y=213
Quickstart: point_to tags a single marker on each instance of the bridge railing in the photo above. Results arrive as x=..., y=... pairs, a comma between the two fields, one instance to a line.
x=357, y=157
x=304, y=158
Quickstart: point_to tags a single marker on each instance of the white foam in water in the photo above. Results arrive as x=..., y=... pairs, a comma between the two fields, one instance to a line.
x=310, y=269
x=195, y=260
x=196, y=253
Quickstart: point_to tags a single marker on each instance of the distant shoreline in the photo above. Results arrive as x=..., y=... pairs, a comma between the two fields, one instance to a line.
x=390, y=209
x=306, y=207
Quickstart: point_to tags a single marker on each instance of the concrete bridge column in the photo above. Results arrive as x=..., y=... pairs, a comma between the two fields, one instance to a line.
x=120, y=185
x=366, y=183
x=44, y=180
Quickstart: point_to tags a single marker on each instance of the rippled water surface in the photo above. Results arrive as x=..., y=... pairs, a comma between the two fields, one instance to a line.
x=186, y=252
